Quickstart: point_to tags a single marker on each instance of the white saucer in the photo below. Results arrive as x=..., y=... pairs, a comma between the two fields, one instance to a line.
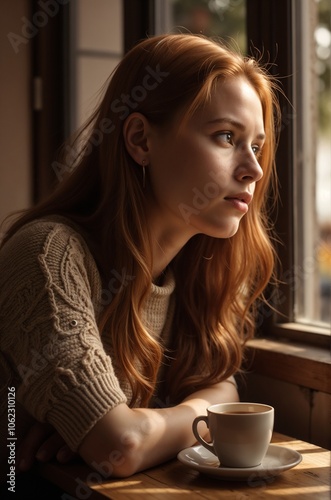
x=278, y=459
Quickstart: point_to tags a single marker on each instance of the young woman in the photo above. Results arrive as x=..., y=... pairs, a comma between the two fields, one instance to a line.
x=127, y=296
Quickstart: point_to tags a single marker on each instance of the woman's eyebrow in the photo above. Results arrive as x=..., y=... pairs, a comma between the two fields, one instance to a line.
x=236, y=124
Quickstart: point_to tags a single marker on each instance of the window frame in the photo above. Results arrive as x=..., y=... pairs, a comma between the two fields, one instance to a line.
x=50, y=97
x=139, y=21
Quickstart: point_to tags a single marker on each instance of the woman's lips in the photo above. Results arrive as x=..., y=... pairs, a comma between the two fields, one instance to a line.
x=239, y=204
x=240, y=200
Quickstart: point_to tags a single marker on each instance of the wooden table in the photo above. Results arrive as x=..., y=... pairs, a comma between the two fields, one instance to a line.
x=174, y=480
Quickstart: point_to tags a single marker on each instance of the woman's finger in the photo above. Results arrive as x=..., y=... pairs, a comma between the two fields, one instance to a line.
x=65, y=454
x=35, y=436
x=50, y=447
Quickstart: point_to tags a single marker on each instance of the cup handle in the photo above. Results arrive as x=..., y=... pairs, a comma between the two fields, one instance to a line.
x=197, y=435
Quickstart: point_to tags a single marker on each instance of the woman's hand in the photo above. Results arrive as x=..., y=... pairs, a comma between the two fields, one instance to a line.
x=43, y=443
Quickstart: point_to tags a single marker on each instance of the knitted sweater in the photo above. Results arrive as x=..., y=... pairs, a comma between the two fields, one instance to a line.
x=54, y=364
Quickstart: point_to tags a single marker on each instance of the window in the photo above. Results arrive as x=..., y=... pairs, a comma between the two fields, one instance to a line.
x=312, y=175
x=322, y=36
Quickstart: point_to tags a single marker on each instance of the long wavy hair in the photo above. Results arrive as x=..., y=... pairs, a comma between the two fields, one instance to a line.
x=219, y=282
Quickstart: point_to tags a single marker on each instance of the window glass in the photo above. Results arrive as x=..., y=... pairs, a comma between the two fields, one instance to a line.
x=312, y=176
x=322, y=36
x=223, y=18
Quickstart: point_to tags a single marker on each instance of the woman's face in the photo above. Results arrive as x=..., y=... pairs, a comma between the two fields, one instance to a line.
x=203, y=172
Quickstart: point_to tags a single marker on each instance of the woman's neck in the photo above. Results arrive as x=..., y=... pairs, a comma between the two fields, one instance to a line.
x=166, y=244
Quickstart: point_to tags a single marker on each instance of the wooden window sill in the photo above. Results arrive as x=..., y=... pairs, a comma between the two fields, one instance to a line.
x=291, y=361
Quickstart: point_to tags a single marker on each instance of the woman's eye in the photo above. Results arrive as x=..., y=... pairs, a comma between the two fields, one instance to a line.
x=256, y=150
x=225, y=137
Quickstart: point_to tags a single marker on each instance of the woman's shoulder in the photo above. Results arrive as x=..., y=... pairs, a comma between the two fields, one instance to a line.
x=48, y=257
x=42, y=227
x=36, y=235
x=50, y=241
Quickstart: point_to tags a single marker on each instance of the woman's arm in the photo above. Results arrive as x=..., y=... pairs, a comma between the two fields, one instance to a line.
x=126, y=440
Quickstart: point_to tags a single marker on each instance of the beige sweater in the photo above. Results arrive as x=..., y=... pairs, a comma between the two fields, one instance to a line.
x=51, y=352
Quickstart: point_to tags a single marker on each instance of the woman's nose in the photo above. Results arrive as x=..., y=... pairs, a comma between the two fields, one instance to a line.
x=248, y=167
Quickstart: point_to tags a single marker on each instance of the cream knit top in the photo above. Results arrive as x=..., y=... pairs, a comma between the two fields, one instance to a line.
x=51, y=351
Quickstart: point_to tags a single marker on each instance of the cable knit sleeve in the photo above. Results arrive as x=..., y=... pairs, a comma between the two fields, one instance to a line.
x=50, y=337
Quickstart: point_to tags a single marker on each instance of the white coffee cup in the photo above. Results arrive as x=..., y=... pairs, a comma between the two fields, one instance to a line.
x=240, y=432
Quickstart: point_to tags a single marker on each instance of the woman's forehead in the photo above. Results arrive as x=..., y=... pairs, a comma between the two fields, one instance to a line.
x=234, y=99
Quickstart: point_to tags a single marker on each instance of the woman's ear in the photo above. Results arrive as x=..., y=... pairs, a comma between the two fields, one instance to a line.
x=135, y=132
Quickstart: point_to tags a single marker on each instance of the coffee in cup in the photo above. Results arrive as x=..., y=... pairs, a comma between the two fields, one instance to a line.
x=240, y=432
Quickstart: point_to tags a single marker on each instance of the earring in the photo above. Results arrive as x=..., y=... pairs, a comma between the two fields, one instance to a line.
x=144, y=173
